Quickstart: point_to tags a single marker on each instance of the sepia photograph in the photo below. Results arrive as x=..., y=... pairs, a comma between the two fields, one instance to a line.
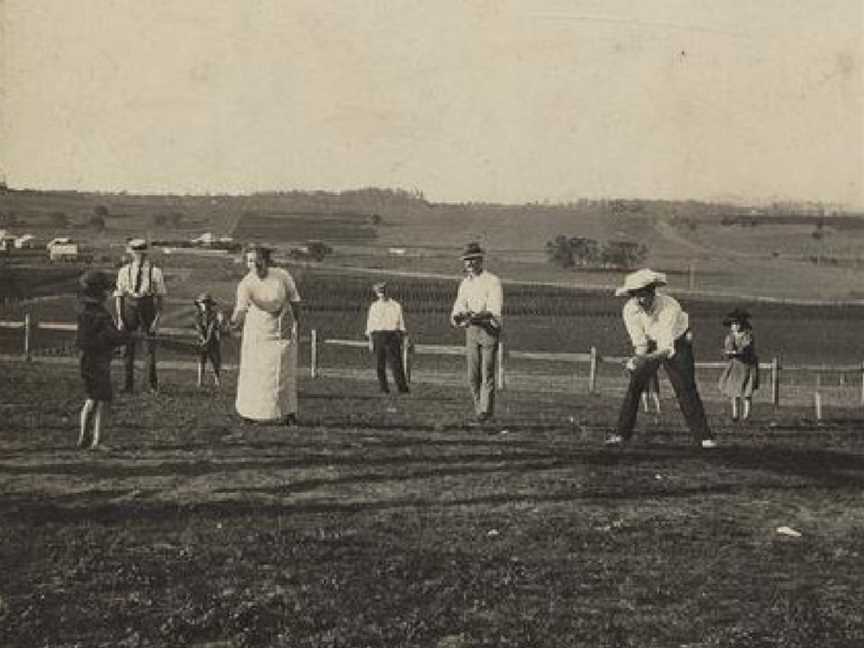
x=431, y=324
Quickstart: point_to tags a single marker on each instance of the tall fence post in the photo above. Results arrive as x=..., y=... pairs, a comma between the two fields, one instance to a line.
x=313, y=353
x=775, y=381
x=862, y=383
x=592, y=371
x=406, y=357
x=501, y=382
x=28, y=337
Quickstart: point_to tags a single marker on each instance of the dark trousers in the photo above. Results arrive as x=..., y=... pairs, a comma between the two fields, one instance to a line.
x=481, y=355
x=681, y=370
x=387, y=347
x=138, y=314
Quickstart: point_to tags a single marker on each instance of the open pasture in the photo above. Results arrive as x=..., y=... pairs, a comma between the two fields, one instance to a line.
x=386, y=523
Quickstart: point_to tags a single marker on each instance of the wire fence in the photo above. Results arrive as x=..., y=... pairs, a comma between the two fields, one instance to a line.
x=820, y=385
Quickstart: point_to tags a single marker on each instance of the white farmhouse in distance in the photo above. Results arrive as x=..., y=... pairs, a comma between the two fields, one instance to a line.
x=25, y=242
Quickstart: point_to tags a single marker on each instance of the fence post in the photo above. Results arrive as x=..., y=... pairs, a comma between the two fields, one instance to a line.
x=817, y=401
x=592, y=371
x=862, y=383
x=406, y=356
x=28, y=337
x=501, y=366
x=775, y=381
x=313, y=353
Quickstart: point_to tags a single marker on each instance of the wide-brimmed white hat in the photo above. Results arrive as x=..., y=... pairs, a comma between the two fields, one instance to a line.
x=137, y=245
x=640, y=279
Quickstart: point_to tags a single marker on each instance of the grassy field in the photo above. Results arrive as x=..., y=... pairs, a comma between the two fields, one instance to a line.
x=387, y=523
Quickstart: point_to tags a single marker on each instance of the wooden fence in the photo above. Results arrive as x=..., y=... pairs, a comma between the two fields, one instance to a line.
x=593, y=358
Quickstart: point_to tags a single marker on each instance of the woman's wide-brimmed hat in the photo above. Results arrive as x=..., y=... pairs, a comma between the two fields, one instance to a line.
x=643, y=278
x=738, y=315
x=473, y=251
x=95, y=282
x=205, y=298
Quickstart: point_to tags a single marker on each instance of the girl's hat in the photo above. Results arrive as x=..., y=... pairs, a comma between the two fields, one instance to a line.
x=640, y=279
x=738, y=315
x=205, y=298
x=379, y=286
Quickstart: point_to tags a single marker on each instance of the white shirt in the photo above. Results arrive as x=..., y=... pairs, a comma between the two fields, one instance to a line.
x=664, y=324
x=478, y=293
x=385, y=315
x=152, y=280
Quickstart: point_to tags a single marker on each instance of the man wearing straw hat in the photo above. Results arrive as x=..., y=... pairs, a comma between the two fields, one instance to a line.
x=658, y=322
x=477, y=309
x=138, y=299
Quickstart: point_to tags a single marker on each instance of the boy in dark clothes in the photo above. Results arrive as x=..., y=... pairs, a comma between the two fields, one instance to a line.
x=209, y=324
x=97, y=338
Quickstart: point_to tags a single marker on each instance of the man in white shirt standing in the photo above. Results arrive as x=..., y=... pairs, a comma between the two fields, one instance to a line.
x=385, y=328
x=658, y=322
x=138, y=300
x=477, y=309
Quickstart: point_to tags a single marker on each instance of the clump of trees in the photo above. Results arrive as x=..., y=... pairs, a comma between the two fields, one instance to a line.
x=581, y=252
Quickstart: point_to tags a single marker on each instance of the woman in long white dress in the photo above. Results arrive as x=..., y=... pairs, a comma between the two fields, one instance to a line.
x=268, y=307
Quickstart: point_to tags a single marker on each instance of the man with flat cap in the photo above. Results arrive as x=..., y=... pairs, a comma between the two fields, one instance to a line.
x=385, y=328
x=138, y=300
x=660, y=332
x=477, y=309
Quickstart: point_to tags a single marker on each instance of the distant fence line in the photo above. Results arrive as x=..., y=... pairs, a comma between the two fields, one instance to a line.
x=593, y=358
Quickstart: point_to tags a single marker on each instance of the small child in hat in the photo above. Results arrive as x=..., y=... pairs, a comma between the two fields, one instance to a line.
x=97, y=338
x=740, y=378
x=209, y=326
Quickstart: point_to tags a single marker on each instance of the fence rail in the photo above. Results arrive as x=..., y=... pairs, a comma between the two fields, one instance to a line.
x=594, y=359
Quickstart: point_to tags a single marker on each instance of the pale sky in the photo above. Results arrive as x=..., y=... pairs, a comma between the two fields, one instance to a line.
x=491, y=101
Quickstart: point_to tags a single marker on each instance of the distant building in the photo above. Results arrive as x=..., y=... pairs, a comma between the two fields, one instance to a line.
x=63, y=250
x=25, y=242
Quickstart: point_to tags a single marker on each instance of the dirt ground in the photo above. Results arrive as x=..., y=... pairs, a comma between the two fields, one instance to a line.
x=389, y=522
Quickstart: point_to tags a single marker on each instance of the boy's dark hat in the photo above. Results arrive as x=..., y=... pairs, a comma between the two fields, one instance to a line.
x=473, y=251
x=738, y=315
x=95, y=280
x=205, y=298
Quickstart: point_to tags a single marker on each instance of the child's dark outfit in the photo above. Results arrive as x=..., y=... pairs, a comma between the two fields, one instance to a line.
x=97, y=338
x=208, y=325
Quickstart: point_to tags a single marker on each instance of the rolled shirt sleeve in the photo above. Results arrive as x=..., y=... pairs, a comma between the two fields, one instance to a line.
x=158, y=288
x=633, y=322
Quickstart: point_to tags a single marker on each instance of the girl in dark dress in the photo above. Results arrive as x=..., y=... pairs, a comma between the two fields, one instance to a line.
x=97, y=338
x=740, y=378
